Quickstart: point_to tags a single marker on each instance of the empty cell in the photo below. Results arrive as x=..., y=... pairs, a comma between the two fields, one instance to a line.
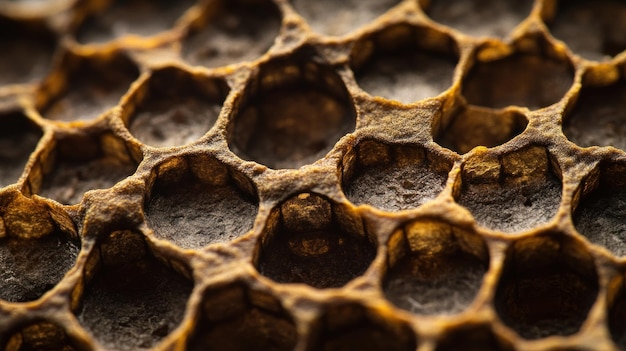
x=524, y=192
x=520, y=80
x=199, y=201
x=174, y=108
x=405, y=63
x=594, y=30
x=548, y=286
x=86, y=87
x=601, y=212
x=394, y=177
x=293, y=114
x=131, y=17
x=349, y=326
x=232, y=32
x=337, y=18
x=598, y=116
x=238, y=318
x=472, y=338
x=435, y=268
x=132, y=301
x=18, y=139
x=480, y=18
x=27, y=52
x=41, y=335
x=473, y=126
x=312, y=241
x=83, y=162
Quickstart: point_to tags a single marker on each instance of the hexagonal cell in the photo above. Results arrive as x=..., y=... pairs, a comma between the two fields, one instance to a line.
x=473, y=126
x=524, y=80
x=119, y=18
x=82, y=162
x=27, y=51
x=393, y=177
x=131, y=300
x=617, y=310
x=512, y=193
x=314, y=241
x=350, y=326
x=475, y=337
x=597, y=118
x=405, y=63
x=197, y=201
x=338, y=18
x=85, y=87
x=238, y=318
x=480, y=18
x=35, y=253
x=174, y=108
x=292, y=113
x=592, y=29
x=232, y=32
x=40, y=335
x=599, y=214
x=548, y=286
x=434, y=268
x=18, y=139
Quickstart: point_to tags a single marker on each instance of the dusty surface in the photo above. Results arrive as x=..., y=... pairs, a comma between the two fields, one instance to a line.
x=26, y=59
x=600, y=218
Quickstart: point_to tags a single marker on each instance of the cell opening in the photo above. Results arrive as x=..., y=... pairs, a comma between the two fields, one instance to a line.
x=473, y=338
x=513, y=193
x=480, y=18
x=434, y=268
x=393, y=177
x=291, y=115
x=85, y=87
x=313, y=241
x=600, y=207
x=592, y=29
x=232, y=32
x=548, y=286
x=78, y=163
x=18, y=139
x=175, y=108
x=131, y=300
x=131, y=17
x=196, y=201
x=597, y=118
x=41, y=335
x=238, y=318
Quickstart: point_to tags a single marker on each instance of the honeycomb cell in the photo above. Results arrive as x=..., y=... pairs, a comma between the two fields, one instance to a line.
x=597, y=118
x=480, y=18
x=338, y=18
x=548, y=286
x=434, y=268
x=294, y=113
x=82, y=162
x=394, y=177
x=405, y=63
x=349, y=326
x=199, y=201
x=313, y=241
x=131, y=17
x=473, y=126
x=601, y=212
x=86, y=86
x=592, y=29
x=238, y=318
x=518, y=192
x=41, y=335
x=27, y=52
x=18, y=138
x=520, y=79
x=617, y=311
x=174, y=108
x=473, y=338
x=234, y=32
x=132, y=300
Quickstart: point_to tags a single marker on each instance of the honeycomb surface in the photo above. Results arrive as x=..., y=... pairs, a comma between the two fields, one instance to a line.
x=312, y=175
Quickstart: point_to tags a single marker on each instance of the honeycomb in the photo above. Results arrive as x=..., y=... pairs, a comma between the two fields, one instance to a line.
x=312, y=175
